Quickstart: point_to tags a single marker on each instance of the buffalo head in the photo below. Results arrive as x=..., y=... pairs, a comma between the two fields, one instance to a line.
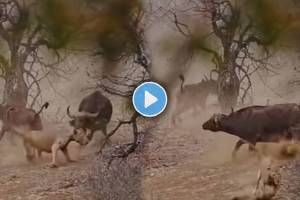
x=82, y=119
x=214, y=123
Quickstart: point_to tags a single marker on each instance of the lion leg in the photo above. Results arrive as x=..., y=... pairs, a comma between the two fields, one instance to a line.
x=54, y=150
x=29, y=151
x=38, y=153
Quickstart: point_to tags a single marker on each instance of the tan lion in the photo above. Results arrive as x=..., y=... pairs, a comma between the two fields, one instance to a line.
x=50, y=141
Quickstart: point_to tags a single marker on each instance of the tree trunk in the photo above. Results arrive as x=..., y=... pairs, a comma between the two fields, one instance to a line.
x=15, y=90
x=228, y=89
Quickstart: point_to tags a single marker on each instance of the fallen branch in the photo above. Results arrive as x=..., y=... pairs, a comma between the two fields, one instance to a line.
x=133, y=146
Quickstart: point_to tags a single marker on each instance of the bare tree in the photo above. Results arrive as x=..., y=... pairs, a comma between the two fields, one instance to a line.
x=25, y=36
x=132, y=54
x=235, y=55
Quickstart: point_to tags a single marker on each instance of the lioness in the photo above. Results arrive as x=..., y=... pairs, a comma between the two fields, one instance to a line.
x=50, y=141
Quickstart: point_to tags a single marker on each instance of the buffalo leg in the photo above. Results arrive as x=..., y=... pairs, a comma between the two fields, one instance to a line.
x=178, y=113
x=104, y=130
x=237, y=147
x=11, y=138
x=91, y=135
x=251, y=148
x=2, y=131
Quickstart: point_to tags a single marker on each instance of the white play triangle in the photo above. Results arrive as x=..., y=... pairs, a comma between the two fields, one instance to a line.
x=149, y=99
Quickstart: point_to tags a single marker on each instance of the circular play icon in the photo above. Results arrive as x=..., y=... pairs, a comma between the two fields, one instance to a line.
x=149, y=99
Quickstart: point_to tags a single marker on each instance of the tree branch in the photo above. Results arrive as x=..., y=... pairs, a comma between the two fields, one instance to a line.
x=134, y=145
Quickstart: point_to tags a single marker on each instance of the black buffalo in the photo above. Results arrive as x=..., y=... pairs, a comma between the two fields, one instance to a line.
x=95, y=112
x=258, y=124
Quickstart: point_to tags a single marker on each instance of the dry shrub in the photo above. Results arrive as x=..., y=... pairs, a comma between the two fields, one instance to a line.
x=119, y=180
x=289, y=187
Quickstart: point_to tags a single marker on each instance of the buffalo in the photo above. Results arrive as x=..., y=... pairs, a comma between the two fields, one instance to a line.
x=20, y=116
x=95, y=111
x=258, y=124
x=193, y=96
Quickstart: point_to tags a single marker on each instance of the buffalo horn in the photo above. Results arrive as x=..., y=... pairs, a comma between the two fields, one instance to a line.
x=69, y=114
x=81, y=114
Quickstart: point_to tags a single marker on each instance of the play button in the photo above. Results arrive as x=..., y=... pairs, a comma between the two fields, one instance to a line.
x=149, y=99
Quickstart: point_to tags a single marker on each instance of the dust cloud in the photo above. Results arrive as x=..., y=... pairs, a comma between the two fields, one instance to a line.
x=12, y=152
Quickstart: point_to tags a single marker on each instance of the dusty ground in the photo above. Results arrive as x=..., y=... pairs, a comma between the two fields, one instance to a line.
x=21, y=180
x=197, y=165
x=200, y=166
x=184, y=162
x=37, y=181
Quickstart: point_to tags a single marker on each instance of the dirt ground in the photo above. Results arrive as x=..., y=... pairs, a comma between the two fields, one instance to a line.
x=184, y=162
x=22, y=180
x=197, y=165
